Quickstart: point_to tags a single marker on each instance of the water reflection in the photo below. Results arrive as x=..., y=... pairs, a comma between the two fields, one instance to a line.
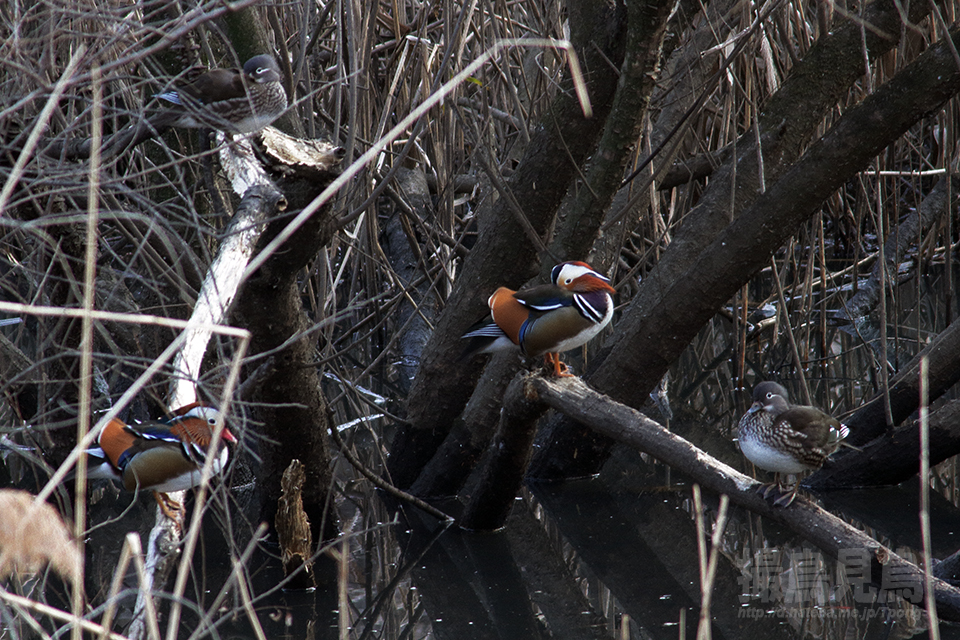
x=611, y=557
x=584, y=559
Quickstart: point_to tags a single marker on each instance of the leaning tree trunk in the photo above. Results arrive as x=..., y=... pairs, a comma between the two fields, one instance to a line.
x=710, y=258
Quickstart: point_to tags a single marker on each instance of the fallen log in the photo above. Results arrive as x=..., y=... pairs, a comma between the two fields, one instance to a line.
x=574, y=398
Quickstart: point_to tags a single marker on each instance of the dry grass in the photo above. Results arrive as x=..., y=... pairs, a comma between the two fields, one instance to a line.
x=33, y=535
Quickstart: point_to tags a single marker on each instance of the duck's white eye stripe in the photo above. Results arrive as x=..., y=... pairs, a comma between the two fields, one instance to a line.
x=571, y=272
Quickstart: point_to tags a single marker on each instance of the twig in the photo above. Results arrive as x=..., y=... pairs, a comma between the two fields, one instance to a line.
x=383, y=484
x=57, y=614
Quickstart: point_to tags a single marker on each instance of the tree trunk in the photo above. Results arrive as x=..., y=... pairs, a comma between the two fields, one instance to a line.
x=943, y=354
x=506, y=465
x=504, y=253
x=290, y=402
x=894, y=458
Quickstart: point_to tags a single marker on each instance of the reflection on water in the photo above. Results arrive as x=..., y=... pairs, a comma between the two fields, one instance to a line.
x=616, y=557
x=611, y=557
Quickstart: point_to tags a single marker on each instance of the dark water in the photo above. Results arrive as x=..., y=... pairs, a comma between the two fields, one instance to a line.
x=616, y=556
x=610, y=557
x=613, y=557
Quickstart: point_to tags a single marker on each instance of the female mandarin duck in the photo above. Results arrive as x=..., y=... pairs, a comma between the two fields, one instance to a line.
x=231, y=100
x=785, y=438
x=547, y=319
x=160, y=456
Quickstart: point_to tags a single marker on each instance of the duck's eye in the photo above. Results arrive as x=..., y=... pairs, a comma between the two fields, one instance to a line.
x=568, y=281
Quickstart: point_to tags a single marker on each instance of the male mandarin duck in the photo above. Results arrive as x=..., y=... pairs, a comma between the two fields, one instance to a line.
x=160, y=456
x=547, y=319
x=785, y=438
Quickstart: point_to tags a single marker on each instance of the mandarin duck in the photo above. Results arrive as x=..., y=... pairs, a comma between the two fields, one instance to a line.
x=784, y=438
x=230, y=100
x=160, y=456
x=547, y=319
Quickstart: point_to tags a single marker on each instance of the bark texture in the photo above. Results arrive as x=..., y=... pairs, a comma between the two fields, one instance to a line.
x=578, y=223
x=289, y=398
x=578, y=220
x=506, y=465
x=893, y=458
x=293, y=529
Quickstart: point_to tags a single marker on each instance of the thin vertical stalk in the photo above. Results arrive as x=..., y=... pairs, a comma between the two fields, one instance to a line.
x=238, y=575
x=740, y=330
x=882, y=306
x=806, y=296
x=925, y=502
x=86, y=334
x=822, y=256
x=708, y=565
x=131, y=551
x=798, y=363
x=247, y=600
x=343, y=582
x=701, y=537
x=948, y=240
